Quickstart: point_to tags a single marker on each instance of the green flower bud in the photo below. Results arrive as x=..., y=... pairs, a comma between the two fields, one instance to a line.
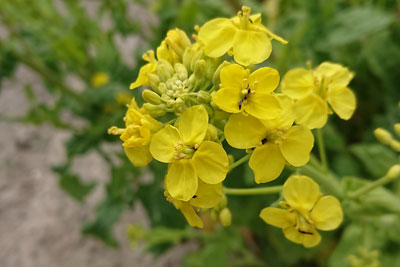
x=397, y=129
x=181, y=71
x=231, y=159
x=383, y=136
x=196, y=57
x=225, y=217
x=212, y=133
x=216, y=77
x=164, y=70
x=154, y=81
x=203, y=97
x=395, y=145
x=155, y=110
x=162, y=88
x=394, y=172
x=200, y=69
x=151, y=97
x=187, y=58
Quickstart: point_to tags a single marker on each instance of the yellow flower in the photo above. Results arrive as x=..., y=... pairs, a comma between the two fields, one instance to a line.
x=305, y=211
x=99, y=79
x=207, y=196
x=314, y=89
x=150, y=67
x=250, y=40
x=191, y=156
x=242, y=91
x=276, y=142
x=138, y=131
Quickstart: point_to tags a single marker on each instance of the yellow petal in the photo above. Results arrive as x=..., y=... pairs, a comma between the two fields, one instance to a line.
x=297, y=83
x=251, y=47
x=301, y=193
x=287, y=116
x=139, y=156
x=217, y=36
x=297, y=146
x=308, y=240
x=311, y=111
x=263, y=106
x=190, y=215
x=162, y=146
x=211, y=162
x=267, y=79
x=237, y=137
x=232, y=76
x=193, y=125
x=227, y=99
x=327, y=213
x=278, y=217
x=207, y=195
x=181, y=180
x=342, y=101
x=142, y=78
x=336, y=73
x=267, y=163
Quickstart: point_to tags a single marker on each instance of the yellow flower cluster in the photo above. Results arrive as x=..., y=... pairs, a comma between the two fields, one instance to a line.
x=207, y=91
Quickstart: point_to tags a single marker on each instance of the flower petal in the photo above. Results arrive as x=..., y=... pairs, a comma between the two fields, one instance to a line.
x=338, y=75
x=162, y=145
x=267, y=163
x=311, y=111
x=217, y=36
x=139, y=156
x=342, y=101
x=232, y=76
x=207, y=195
x=263, y=106
x=193, y=125
x=297, y=146
x=287, y=116
x=211, y=162
x=181, y=181
x=297, y=83
x=142, y=78
x=267, y=79
x=281, y=218
x=308, y=240
x=327, y=213
x=227, y=99
x=301, y=193
x=237, y=137
x=190, y=215
x=251, y=47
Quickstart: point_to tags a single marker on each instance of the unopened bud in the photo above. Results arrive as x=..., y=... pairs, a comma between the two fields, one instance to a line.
x=231, y=159
x=200, y=68
x=212, y=133
x=187, y=57
x=395, y=145
x=383, y=136
x=181, y=71
x=164, y=70
x=225, y=217
x=394, y=172
x=196, y=57
x=151, y=97
x=178, y=41
x=154, y=81
x=397, y=129
x=216, y=77
x=203, y=97
x=155, y=110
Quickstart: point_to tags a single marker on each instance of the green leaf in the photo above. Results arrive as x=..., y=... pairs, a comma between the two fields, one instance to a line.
x=73, y=185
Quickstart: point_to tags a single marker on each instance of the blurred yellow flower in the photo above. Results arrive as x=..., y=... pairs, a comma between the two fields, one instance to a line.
x=276, y=142
x=207, y=196
x=305, y=211
x=99, y=79
x=249, y=39
x=314, y=89
x=252, y=93
x=138, y=131
x=191, y=157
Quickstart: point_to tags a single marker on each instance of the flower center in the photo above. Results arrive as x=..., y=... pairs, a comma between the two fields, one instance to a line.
x=304, y=225
x=244, y=16
x=274, y=135
x=183, y=151
x=247, y=91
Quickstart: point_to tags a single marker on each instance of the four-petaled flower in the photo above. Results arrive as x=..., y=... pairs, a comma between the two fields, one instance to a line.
x=252, y=93
x=305, y=211
x=314, y=89
x=191, y=157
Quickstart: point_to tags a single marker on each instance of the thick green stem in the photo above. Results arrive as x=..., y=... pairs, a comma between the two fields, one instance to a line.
x=238, y=162
x=371, y=186
x=321, y=148
x=252, y=191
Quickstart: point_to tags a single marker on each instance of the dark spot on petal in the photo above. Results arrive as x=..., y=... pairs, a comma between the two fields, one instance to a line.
x=304, y=232
x=240, y=104
x=194, y=196
x=251, y=21
x=264, y=141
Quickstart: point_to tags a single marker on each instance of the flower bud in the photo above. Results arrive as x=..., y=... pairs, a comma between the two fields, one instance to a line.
x=155, y=110
x=225, y=217
x=231, y=159
x=395, y=145
x=397, y=129
x=383, y=136
x=178, y=41
x=203, y=97
x=181, y=71
x=196, y=57
x=164, y=70
x=394, y=172
x=212, y=133
x=200, y=69
x=216, y=77
x=151, y=97
x=154, y=81
x=187, y=57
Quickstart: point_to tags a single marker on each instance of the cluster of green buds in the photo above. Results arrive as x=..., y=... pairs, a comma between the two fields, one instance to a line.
x=386, y=138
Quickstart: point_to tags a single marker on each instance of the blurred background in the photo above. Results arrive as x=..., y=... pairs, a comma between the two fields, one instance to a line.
x=67, y=192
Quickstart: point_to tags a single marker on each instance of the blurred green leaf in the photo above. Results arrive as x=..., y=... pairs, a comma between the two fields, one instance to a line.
x=73, y=185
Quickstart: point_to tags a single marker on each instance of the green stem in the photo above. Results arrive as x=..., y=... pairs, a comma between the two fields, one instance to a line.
x=238, y=162
x=321, y=148
x=252, y=191
x=371, y=186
